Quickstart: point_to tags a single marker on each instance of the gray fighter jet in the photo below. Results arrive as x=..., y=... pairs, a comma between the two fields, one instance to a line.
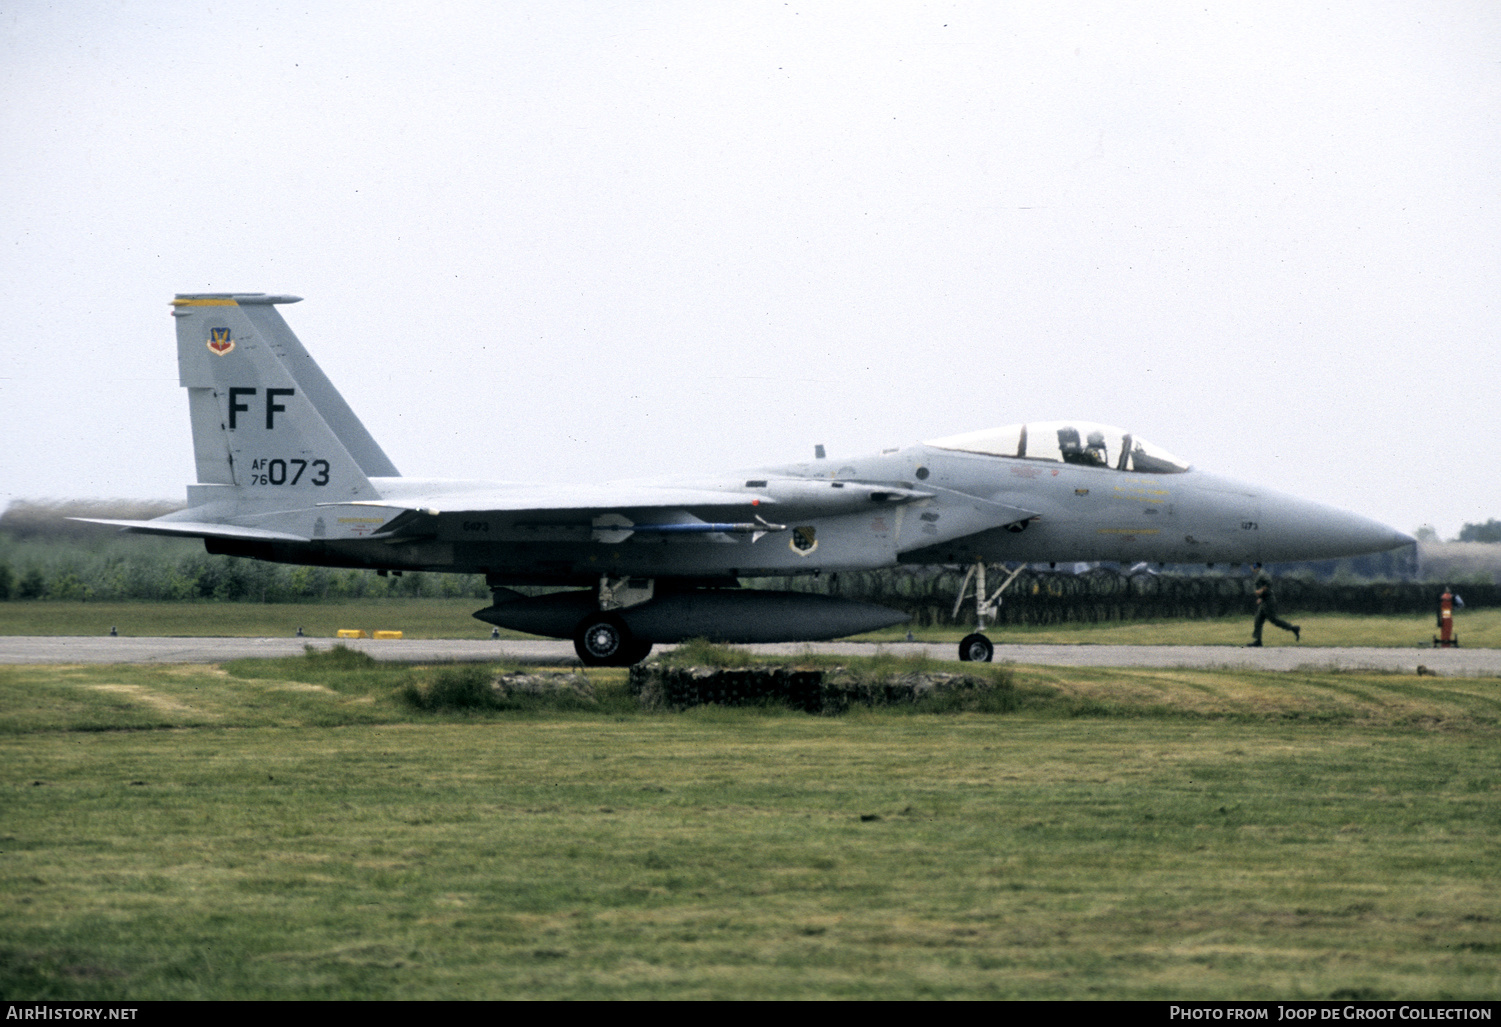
x=286, y=472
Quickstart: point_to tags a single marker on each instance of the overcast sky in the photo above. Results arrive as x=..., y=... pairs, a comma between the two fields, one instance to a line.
x=579, y=242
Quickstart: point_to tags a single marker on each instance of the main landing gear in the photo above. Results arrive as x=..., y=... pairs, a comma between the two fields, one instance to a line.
x=975, y=647
x=602, y=639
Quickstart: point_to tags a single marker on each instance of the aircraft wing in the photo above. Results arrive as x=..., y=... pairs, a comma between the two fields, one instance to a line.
x=561, y=497
x=410, y=503
x=196, y=529
x=787, y=495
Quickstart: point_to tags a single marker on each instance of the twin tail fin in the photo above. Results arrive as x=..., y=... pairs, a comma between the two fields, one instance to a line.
x=266, y=420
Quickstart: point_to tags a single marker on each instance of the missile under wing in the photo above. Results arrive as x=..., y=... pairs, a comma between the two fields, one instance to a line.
x=287, y=472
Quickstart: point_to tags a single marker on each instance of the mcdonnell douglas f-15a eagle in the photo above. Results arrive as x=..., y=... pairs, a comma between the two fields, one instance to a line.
x=288, y=473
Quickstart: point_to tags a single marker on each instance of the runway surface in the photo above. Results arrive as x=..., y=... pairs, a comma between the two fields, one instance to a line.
x=93, y=649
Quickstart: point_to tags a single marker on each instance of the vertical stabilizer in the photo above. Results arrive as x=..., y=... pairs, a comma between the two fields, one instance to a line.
x=256, y=424
x=267, y=320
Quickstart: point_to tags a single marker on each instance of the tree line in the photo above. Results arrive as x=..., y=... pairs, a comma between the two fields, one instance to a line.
x=45, y=556
x=50, y=574
x=1490, y=531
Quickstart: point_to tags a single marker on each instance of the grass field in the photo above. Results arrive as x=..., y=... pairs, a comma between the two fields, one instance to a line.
x=290, y=829
x=452, y=618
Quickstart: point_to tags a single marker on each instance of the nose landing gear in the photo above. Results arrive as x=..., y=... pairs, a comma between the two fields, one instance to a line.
x=976, y=648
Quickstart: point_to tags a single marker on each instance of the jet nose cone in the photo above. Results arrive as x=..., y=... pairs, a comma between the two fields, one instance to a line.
x=1372, y=536
x=1352, y=534
x=1302, y=530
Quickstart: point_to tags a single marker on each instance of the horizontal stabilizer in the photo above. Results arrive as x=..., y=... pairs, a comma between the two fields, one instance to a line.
x=196, y=529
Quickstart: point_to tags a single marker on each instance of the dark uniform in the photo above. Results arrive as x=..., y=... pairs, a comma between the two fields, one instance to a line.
x=1266, y=609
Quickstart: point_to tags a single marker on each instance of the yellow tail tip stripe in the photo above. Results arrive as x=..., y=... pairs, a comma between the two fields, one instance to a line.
x=204, y=303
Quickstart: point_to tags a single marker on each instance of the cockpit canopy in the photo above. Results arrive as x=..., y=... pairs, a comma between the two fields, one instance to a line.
x=1070, y=442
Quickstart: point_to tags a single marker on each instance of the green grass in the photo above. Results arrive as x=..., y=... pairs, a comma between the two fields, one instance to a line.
x=293, y=829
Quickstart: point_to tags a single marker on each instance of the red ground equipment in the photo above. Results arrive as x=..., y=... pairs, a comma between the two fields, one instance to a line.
x=1446, y=638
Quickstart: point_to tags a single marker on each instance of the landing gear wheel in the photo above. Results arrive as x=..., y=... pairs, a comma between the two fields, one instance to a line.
x=976, y=648
x=603, y=640
x=637, y=652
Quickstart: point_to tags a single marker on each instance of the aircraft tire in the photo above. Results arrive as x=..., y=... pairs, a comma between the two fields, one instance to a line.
x=637, y=652
x=603, y=640
x=976, y=648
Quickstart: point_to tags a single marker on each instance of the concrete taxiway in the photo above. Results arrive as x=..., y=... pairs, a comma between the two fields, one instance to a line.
x=93, y=649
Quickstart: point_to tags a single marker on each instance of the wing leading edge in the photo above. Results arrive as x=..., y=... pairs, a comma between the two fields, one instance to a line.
x=196, y=529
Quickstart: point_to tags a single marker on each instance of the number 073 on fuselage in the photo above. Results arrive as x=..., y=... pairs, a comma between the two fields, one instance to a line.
x=287, y=472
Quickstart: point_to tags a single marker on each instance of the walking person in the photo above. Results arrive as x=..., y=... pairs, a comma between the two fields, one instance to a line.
x=1266, y=609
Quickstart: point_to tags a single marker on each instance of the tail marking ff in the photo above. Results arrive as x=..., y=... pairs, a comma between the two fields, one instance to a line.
x=266, y=420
